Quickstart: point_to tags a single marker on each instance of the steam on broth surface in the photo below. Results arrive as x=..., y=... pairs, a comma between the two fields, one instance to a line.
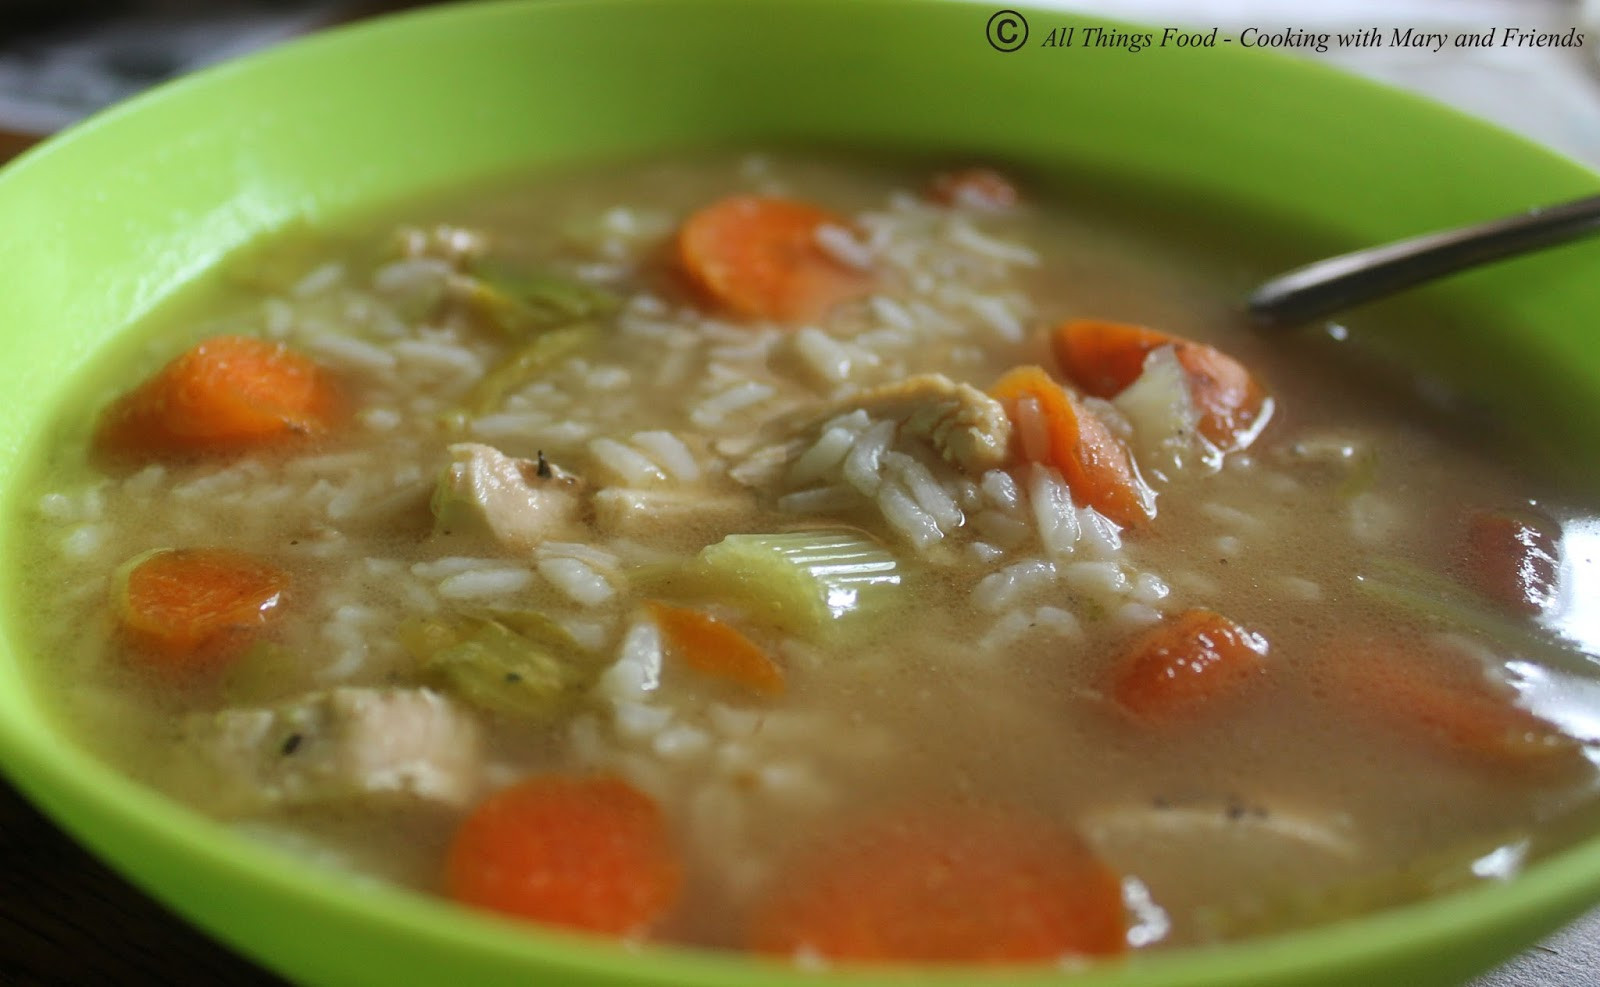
x=811, y=556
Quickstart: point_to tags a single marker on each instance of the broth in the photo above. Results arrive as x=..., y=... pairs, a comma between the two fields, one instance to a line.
x=985, y=678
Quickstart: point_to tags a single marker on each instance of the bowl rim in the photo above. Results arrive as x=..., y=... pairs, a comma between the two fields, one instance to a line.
x=59, y=775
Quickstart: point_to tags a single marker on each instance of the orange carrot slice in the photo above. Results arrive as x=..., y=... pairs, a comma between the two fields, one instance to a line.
x=226, y=394
x=1185, y=663
x=1103, y=358
x=1420, y=689
x=586, y=853
x=759, y=258
x=712, y=647
x=185, y=609
x=1091, y=460
x=973, y=188
x=952, y=885
x=1513, y=560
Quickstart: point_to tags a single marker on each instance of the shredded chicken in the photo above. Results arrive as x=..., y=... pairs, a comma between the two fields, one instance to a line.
x=517, y=502
x=337, y=745
x=965, y=426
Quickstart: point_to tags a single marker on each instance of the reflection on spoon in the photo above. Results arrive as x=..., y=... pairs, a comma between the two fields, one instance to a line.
x=1327, y=286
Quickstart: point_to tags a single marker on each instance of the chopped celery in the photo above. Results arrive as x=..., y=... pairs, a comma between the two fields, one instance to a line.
x=1435, y=596
x=518, y=663
x=527, y=363
x=802, y=580
x=521, y=305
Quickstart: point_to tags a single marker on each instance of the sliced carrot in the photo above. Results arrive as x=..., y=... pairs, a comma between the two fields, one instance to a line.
x=712, y=647
x=1185, y=663
x=1513, y=560
x=760, y=258
x=1095, y=465
x=225, y=394
x=951, y=885
x=586, y=853
x=184, y=609
x=1422, y=689
x=1103, y=358
x=973, y=188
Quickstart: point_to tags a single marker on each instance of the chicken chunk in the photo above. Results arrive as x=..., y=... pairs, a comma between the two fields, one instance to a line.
x=400, y=745
x=965, y=426
x=516, y=502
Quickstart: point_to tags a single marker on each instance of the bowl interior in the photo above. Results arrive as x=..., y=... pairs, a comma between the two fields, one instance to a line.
x=108, y=222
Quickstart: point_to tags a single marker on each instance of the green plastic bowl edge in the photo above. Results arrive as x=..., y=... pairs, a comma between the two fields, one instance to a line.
x=105, y=223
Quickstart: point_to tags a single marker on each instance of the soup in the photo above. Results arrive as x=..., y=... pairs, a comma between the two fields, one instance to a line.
x=834, y=559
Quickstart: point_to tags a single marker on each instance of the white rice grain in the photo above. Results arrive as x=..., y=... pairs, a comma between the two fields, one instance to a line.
x=440, y=357
x=482, y=583
x=1061, y=623
x=713, y=410
x=911, y=521
x=1100, y=579
x=891, y=313
x=818, y=500
x=1000, y=488
x=380, y=419
x=863, y=466
x=409, y=274
x=596, y=557
x=637, y=670
x=926, y=491
x=1300, y=588
x=822, y=458
x=347, y=351
x=670, y=453
x=319, y=280
x=84, y=541
x=640, y=721
x=1136, y=616
x=1098, y=535
x=1005, y=631
x=145, y=482
x=985, y=552
x=624, y=465
x=827, y=358
x=576, y=580
x=995, y=314
x=1232, y=517
x=449, y=565
x=1004, y=588
x=1001, y=528
x=1053, y=514
x=963, y=234
x=1149, y=589
x=681, y=742
x=842, y=245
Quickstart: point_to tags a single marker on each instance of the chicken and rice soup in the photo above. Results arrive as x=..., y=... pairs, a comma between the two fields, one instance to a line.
x=834, y=560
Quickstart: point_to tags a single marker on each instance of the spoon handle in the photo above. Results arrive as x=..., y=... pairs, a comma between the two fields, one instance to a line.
x=1327, y=286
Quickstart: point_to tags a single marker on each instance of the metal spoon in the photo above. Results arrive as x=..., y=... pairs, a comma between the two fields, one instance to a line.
x=1327, y=286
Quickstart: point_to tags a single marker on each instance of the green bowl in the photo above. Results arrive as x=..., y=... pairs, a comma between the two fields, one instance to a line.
x=105, y=223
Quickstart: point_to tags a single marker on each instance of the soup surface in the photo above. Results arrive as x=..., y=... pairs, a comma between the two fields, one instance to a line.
x=831, y=558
